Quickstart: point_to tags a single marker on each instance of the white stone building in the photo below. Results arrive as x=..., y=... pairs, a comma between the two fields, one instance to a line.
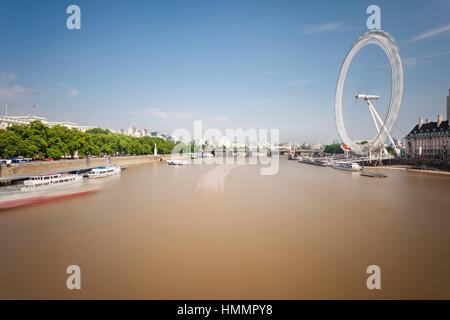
x=131, y=131
x=430, y=140
x=7, y=121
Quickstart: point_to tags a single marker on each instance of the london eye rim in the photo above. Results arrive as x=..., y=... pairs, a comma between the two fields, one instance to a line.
x=383, y=40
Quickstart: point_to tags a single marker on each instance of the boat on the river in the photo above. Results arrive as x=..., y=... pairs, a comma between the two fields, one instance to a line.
x=104, y=172
x=47, y=181
x=373, y=174
x=176, y=162
x=347, y=166
x=204, y=155
x=315, y=162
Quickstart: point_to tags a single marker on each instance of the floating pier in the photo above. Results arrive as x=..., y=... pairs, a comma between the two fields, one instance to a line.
x=373, y=175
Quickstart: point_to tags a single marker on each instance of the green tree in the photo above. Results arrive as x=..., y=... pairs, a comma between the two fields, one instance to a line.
x=38, y=141
x=9, y=142
x=333, y=148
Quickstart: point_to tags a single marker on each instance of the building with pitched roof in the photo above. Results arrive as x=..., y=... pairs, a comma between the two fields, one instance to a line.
x=430, y=140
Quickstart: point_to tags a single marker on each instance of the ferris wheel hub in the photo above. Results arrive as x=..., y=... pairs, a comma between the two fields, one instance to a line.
x=366, y=96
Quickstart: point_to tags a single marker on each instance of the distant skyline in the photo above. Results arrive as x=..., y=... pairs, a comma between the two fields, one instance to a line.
x=162, y=65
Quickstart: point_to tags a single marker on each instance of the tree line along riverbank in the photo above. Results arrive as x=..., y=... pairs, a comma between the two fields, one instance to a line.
x=39, y=141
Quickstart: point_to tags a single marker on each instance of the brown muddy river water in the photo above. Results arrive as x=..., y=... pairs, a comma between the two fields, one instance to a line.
x=216, y=232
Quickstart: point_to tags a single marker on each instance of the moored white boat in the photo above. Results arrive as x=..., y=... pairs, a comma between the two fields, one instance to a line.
x=175, y=162
x=347, y=166
x=204, y=155
x=47, y=181
x=104, y=171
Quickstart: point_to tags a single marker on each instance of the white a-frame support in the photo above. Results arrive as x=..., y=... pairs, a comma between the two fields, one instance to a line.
x=375, y=116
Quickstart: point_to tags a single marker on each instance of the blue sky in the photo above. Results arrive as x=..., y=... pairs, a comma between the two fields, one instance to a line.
x=233, y=64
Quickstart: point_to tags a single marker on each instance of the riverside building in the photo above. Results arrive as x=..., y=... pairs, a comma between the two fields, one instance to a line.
x=430, y=140
x=7, y=121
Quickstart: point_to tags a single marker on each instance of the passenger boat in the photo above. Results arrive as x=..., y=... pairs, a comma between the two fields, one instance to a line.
x=103, y=172
x=47, y=181
x=176, y=162
x=347, y=166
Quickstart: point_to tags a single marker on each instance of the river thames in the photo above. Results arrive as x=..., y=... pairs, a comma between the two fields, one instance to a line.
x=227, y=232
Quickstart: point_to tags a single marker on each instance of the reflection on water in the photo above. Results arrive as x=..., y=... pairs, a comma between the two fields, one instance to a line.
x=307, y=232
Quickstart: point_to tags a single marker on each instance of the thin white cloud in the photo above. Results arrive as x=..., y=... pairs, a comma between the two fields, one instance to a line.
x=12, y=92
x=160, y=114
x=8, y=77
x=431, y=33
x=220, y=118
x=326, y=27
x=412, y=61
x=74, y=93
x=260, y=102
x=306, y=81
